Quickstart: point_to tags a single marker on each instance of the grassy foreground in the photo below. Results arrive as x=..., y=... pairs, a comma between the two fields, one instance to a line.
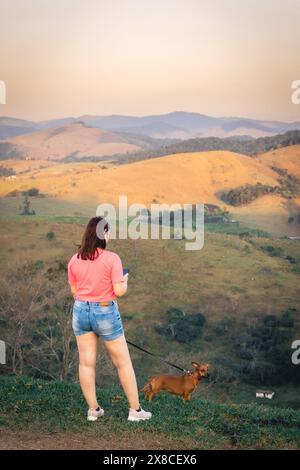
x=41, y=407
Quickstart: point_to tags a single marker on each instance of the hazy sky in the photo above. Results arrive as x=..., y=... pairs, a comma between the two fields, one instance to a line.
x=219, y=57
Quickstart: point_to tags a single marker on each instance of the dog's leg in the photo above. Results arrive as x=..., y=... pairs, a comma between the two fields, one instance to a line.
x=145, y=387
x=186, y=396
x=148, y=391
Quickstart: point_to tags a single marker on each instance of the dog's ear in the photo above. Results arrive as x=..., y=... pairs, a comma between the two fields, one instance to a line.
x=195, y=365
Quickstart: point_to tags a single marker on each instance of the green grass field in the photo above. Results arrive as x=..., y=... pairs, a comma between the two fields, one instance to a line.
x=47, y=407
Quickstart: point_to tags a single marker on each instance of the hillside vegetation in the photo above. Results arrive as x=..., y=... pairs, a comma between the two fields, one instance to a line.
x=246, y=146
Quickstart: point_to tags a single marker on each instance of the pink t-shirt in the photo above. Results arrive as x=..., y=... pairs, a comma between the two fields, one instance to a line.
x=94, y=279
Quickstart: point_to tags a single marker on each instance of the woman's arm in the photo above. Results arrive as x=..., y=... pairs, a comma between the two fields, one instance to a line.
x=71, y=278
x=120, y=288
x=73, y=289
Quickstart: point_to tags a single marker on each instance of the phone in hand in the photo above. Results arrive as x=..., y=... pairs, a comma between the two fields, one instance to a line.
x=125, y=271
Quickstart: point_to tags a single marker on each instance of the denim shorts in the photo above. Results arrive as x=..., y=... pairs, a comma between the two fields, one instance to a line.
x=91, y=317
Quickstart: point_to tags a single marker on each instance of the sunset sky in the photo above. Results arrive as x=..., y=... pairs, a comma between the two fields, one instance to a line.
x=218, y=57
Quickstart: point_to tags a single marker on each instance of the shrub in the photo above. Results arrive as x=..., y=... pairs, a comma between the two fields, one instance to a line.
x=174, y=314
x=209, y=338
x=183, y=328
x=265, y=353
x=223, y=326
x=39, y=264
x=163, y=329
x=271, y=320
x=247, y=193
x=286, y=320
x=6, y=171
x=197, y=319
x=291, y=259
x=289, y=187
x=32, y=192
x=225, y=369
x=272, y=250
x=50, y=235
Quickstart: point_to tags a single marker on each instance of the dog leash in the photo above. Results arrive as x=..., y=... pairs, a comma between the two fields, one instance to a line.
x=158, y=357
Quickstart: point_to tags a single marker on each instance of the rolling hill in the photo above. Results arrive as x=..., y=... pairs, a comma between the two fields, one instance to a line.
x=198, y=177
x=11, y=127
x=182, y=178
x=287, y=158
x=73, y=140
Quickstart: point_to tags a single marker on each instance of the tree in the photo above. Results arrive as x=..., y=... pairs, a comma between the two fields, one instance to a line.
x=26, y=209
x=33, y=192
x=36, y=323
x=17, y=310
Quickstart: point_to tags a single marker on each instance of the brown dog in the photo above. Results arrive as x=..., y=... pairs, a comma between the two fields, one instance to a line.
x=183, y=385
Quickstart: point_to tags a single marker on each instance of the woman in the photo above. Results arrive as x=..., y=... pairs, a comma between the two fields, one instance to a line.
x=96, y=278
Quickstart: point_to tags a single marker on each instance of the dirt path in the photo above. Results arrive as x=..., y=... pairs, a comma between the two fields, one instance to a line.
x=21, y=440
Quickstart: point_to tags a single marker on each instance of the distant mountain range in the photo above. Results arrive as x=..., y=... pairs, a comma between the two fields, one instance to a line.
x=128, y=138
x=178, y=125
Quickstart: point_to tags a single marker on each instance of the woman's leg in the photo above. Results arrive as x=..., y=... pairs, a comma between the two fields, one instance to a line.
x=118, y=351
x=87, y=347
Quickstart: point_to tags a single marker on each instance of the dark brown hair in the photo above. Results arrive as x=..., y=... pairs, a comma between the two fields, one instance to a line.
x=91, y=241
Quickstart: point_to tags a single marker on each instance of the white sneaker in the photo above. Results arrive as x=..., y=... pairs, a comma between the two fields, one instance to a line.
x=93, y=415
x=141, y=415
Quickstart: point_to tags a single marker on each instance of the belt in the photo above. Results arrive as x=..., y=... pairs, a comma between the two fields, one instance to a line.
x=106, y=304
